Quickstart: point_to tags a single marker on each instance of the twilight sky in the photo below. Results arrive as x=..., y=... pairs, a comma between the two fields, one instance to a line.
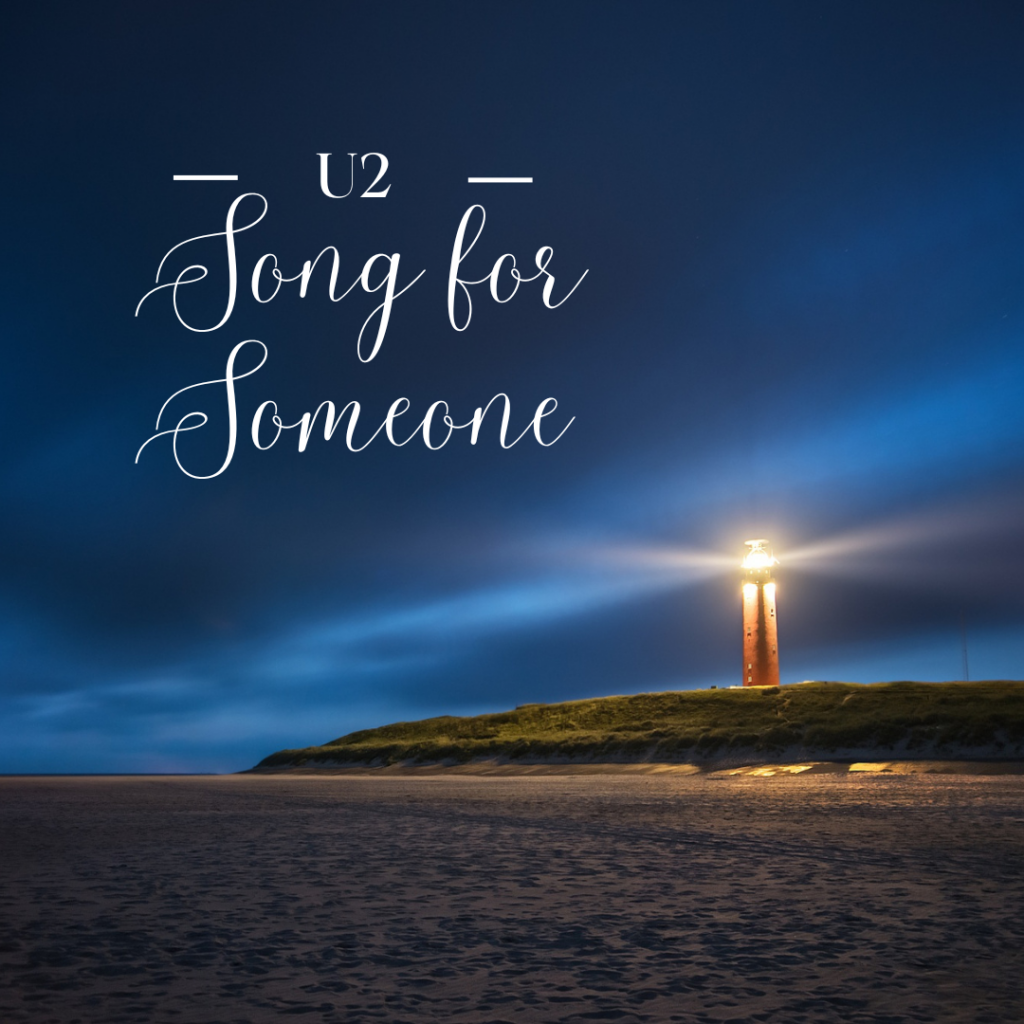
x=802, y=227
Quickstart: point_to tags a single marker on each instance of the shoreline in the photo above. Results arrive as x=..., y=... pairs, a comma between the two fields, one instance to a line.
x=721, y=769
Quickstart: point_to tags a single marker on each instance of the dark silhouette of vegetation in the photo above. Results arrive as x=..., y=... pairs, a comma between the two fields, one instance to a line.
x=693, y=725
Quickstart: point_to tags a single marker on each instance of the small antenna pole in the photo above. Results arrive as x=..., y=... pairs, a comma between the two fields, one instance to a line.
x=963, y=646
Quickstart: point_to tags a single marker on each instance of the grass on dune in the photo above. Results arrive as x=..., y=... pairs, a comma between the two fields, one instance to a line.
x=675, y=725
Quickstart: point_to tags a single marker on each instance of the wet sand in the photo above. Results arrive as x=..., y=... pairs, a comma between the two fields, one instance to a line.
x=568, y=899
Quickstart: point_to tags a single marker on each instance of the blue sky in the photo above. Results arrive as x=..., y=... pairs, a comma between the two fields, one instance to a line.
x=802, y=319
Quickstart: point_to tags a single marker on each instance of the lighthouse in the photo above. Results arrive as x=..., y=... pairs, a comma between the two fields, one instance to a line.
x=760, y=625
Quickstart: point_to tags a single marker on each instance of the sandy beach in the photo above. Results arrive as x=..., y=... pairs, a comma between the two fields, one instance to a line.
x=564, y=899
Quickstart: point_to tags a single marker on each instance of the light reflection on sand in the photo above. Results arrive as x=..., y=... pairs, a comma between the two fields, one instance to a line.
x=767, y=771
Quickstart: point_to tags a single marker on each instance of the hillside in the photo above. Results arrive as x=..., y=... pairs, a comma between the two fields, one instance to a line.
x=979, y=719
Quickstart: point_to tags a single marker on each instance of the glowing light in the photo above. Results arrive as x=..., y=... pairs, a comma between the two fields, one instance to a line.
x=758, y=557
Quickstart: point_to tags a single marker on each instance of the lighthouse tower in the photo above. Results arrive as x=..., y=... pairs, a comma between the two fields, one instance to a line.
x=760, y=626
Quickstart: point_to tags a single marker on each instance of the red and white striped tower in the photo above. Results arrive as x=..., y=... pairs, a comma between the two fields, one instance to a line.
x=760, y=626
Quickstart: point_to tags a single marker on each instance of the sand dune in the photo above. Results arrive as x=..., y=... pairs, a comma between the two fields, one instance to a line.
x=565, y=899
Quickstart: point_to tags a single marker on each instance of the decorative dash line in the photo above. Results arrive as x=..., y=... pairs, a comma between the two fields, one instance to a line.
x=206, y=177
x=500, y=181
